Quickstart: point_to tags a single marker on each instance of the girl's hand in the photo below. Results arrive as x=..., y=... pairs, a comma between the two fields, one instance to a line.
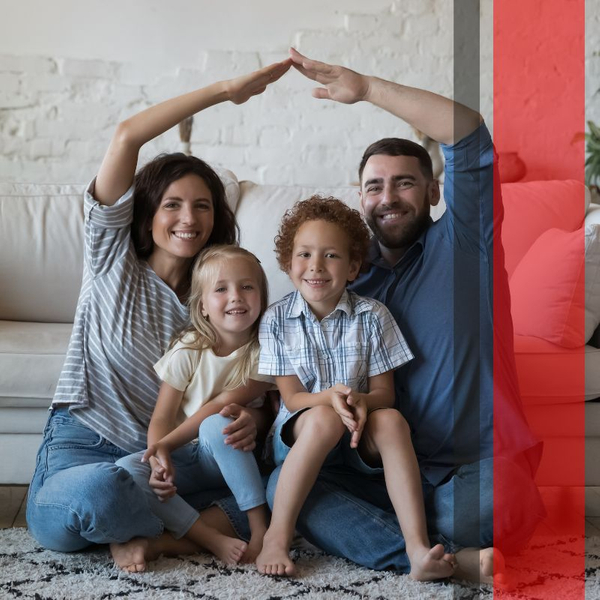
x=243, y=88
x=241, y=433
x=162, y=475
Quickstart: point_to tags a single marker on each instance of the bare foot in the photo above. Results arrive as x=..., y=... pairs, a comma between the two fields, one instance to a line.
x=484, y=566
x=255, y=546
x=227, y=549
x=133, y=555
x=274, y=558
x=429, y=564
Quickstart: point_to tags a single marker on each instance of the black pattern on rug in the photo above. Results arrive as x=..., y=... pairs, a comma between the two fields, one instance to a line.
x=28, y=571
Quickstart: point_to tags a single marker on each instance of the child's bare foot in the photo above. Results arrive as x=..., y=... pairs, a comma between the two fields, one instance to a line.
x=133, y=555
x=274, y=558
x=255, y=546
x=484, y=566
x=429, y=564
x=227, y=549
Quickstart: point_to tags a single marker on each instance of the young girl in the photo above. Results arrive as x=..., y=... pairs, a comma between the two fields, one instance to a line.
x=217, y=353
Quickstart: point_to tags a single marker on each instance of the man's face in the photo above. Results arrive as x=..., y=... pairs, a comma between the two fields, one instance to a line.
x=395, y=198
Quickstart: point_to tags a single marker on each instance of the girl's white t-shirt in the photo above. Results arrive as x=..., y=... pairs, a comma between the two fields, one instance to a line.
x=201, y=375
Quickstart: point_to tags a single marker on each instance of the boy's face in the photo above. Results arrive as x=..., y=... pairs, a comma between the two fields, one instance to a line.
x=321, y=265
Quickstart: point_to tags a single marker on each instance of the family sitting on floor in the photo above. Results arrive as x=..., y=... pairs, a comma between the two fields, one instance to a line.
x=383, y=446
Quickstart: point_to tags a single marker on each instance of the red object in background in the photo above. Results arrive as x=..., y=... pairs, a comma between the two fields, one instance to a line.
x=539, y=105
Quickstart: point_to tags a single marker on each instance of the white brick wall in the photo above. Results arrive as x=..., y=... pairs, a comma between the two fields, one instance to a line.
x=57, y=113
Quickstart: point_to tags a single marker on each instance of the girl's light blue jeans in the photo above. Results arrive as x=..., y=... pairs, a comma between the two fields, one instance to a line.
x=208, y=464
x=78, y=496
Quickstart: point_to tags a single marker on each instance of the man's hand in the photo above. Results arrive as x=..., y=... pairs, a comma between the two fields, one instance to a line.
x=162, y=474
x=244, y=87
x=341, y=84
x=241, y=433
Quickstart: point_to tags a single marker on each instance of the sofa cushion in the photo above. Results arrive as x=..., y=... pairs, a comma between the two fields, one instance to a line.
x=551, y=298
x=31, y=357
x=551, y=374
x=41, y=249
x=532, y=207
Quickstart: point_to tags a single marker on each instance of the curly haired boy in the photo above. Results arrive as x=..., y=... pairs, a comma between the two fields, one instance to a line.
x=333, y=354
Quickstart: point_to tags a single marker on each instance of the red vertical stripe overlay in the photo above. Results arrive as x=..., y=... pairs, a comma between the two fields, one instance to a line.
x=539, y=106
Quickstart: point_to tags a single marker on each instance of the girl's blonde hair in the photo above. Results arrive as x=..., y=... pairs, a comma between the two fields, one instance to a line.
x=200, y=334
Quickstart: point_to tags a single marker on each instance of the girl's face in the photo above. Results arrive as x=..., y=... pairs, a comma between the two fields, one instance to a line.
x=183, y=220
x=232, y=303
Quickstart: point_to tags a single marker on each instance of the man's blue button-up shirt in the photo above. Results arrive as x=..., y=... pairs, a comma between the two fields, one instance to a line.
x=441, y=294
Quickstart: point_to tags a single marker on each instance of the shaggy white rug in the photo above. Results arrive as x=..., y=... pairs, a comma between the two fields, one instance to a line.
x=29, y=571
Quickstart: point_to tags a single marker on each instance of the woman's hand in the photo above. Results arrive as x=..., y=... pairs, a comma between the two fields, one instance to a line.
x=241, y=433
x=244, y=87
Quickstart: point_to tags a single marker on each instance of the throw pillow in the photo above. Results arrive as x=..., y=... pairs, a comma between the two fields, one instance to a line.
x=555, y=289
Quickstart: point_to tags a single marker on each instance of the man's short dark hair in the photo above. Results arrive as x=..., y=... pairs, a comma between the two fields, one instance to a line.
x=398, y=147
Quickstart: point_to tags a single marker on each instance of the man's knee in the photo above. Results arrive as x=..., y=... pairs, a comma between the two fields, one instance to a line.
x=517, y=505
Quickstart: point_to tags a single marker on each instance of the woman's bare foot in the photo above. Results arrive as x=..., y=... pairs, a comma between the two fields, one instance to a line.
x=274, y=558
x=483, y=566
x=132, y=556
x=430, y=564
x=255, y=546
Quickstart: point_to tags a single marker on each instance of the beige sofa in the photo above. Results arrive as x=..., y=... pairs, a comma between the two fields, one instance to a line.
x=41, y=229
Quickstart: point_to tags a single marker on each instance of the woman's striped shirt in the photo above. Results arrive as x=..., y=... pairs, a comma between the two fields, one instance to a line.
x=126, y=316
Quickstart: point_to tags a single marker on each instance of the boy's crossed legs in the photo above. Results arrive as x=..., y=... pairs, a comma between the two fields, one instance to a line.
x=386, y=438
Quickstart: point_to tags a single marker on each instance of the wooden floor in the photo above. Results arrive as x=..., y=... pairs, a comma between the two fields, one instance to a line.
x=558, y=500
x=13, y=500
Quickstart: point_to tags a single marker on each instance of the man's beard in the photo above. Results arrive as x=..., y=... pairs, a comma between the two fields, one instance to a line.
x=406, y=234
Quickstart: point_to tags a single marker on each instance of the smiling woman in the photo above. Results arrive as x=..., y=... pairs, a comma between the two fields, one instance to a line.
x=142, y=235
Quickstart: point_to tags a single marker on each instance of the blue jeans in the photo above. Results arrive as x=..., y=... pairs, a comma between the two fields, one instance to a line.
x=78, y=495
x=209, y=464
x=349, y=515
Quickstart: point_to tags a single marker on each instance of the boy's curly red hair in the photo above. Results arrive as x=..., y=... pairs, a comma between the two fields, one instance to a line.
x=318, y=208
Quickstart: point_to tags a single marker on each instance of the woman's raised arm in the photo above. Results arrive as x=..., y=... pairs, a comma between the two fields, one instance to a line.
x=120, y=161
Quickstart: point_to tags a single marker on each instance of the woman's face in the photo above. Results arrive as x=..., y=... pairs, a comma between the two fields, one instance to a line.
x=183, y=220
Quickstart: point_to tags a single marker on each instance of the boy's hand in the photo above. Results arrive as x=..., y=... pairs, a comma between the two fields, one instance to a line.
x=241, y=432
x=162, y=475
x=358, y=404
x=338, y=396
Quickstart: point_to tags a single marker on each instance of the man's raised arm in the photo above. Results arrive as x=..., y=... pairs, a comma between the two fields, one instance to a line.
x=437, y=117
